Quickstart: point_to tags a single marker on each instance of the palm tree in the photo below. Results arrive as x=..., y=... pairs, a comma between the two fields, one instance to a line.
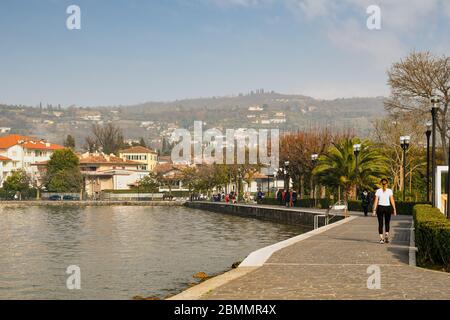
x=337, y=166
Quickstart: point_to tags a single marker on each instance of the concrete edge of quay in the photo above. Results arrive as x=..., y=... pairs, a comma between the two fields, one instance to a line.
x=87, y=203
x=259, y=257
x=253, y=262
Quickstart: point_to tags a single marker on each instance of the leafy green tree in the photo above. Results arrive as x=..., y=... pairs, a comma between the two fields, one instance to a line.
x=69, y=142
x=337, y=166
x=149, y=183
x=18, y=181
x=69, y=180
x=63, y=173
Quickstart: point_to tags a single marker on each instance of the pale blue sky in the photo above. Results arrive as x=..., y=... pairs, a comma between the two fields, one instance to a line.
x=131, y=51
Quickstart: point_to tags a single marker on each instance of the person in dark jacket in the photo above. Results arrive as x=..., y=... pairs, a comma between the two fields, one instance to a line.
x=294, y=198
x=288, y=198
x=279, y=197
x=366, y=200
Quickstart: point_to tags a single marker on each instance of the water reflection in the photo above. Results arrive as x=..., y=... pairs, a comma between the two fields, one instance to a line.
x=122, y=251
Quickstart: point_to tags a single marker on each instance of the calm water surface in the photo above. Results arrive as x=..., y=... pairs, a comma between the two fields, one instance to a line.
x=122, y=251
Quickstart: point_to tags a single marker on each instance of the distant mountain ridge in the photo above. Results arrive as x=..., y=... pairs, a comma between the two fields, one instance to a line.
x=152, y=120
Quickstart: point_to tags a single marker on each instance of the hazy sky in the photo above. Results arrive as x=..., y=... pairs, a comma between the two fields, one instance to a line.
x=131, y=51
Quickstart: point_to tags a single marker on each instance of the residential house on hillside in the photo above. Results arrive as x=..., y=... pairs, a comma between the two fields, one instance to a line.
x=21, y=152
x=146, y=157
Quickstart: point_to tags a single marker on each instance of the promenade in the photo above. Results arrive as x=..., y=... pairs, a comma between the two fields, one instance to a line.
x=333, y=264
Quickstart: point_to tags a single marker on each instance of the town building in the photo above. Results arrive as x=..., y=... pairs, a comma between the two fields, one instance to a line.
x=147, y=158
x=22, y=152
x=108, y=172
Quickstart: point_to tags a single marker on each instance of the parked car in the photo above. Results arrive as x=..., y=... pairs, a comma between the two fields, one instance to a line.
x=69, y=197
x=54, y=197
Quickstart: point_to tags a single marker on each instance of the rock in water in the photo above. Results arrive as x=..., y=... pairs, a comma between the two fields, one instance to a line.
x=200, y=275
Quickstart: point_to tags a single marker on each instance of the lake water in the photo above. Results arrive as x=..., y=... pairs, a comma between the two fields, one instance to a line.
x=121, y=251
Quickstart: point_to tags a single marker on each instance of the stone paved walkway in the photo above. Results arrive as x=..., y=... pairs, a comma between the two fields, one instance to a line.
x=333, y=265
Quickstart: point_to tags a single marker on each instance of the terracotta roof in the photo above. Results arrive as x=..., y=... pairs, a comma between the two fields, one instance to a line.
x=137, y=149
x=2, y=158
x=88, y=158
x=41, y=145
x=11, y=140
x=28, y=142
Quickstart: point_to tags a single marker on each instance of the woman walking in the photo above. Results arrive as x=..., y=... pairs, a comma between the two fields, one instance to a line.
x=383, y=207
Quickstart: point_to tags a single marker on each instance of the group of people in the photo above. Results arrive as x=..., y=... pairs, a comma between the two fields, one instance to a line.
x=287, y=198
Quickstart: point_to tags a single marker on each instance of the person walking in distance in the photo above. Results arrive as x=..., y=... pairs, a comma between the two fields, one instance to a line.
x=383, y=207
x=365, y=201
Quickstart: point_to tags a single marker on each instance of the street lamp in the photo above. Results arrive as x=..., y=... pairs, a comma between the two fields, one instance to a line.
x=356, y=151
x=314, y=158
x=404, y=143
x=435, y=101
x=428, y=134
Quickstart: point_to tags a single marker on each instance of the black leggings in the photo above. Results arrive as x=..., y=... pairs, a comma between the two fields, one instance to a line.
x=383, y=211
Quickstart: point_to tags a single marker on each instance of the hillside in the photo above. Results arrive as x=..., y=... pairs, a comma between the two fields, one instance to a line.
x=155, y=119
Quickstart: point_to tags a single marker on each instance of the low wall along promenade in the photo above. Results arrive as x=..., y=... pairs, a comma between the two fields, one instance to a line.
x=294, y=216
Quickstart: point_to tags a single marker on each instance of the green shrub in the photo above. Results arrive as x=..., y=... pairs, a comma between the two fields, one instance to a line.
x=432, y=231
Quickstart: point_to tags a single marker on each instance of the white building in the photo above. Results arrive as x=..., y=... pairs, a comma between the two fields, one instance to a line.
x=21, y=152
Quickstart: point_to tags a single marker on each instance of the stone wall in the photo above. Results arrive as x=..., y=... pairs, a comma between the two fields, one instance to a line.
x=297, y=216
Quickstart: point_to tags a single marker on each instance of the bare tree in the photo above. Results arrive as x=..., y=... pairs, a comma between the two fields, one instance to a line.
x=414, y=81
x=387, y=133
x=109, y=138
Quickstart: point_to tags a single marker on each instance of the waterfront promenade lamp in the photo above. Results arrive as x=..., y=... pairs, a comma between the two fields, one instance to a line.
x=404, y=143
x=429, y=125
x=434, y=109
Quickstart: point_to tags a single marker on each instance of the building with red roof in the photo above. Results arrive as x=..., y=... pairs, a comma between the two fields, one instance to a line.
x=21, y=152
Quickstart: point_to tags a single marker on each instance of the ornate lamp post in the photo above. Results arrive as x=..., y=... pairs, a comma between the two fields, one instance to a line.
x=435, y=101
x=314, y=158
x=356, y=151
x=428, y=134
x=404, y=143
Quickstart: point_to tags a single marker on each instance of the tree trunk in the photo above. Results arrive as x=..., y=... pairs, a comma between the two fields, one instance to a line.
x=302, y=186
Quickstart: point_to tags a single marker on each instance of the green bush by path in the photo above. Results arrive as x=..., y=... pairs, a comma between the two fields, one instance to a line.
x=432, y=233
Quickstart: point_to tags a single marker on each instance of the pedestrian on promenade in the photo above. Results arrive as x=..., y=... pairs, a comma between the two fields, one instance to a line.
x=291, y=198
x=283, y=197
x=227, y=198
x=366, y=199
x=279, y=197
x=383, y=207
x=288, y=198
x=294, y=198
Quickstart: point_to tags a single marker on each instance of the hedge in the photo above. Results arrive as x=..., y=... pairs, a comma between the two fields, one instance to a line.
x=432, y=232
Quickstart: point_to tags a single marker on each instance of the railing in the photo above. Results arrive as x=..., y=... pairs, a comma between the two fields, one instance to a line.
x=339, y=207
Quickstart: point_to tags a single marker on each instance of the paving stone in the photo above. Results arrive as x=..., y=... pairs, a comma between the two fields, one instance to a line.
x=334, y=265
